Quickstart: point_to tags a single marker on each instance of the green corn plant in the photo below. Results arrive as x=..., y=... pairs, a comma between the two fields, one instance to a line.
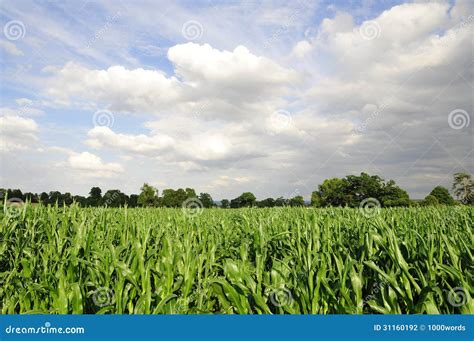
x=73, y=260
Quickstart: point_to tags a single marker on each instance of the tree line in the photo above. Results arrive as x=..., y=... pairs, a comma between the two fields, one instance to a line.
x=349, y=191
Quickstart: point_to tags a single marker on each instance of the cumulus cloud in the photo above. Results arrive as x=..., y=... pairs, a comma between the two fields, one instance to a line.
x=139, y=144
x=91, y=165
x=207, y=81
x=188, y=148
x=17, y=133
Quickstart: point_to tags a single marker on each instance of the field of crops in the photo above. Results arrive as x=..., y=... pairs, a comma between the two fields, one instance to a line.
x=244, y=261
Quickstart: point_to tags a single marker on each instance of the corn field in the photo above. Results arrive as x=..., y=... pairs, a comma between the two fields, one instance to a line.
x=72, y=260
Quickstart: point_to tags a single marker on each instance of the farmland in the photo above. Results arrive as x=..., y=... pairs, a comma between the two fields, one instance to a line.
x=73, y=260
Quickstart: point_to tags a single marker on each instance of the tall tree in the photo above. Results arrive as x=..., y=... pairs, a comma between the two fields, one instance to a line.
x=316, y=199
x=430, y=200
x=392, y=195
x=95, y=197
x=280, y=202
x=172, y=198
x=80, y=200
x=333, y=192
x=31, y=197
x=67, y=198
x=297, y=201
x=463, y=187
x=148, y=196
x=206, y=200
x=114, y=198
x=44, y=198
x=246, y=199
x=225, y=203
x=268, y=202
x=351, y=190
x=443, y=196
x=190, y=193
x=15, y=193
x=55, y=197
x=133, y=200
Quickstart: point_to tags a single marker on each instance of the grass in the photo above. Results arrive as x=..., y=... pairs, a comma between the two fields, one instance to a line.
x=65, y=260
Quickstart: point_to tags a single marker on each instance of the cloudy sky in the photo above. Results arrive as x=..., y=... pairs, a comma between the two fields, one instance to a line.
x=225, y=96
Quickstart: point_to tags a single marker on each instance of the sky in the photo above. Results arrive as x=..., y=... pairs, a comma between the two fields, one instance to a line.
x=270, y=97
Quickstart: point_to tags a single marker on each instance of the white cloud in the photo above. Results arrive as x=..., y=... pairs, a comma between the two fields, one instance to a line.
x=139, y=144
x=301, y=48
x=238, y=73
x=17, y=133
x=11, y=48
x=91, y=165
x=213, y=83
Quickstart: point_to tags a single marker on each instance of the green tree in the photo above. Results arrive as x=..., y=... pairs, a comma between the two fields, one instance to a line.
x=443, y=196
x=316, y=199
x=225, y=203
x=430, y=200
x=168, y=197
x=280, y=202
x=133, y=200
x=15, y=193
x=268, y=202
x=172, y=198
x=95, y=197
x=246, y=199
x=351, y=190
x=67, y=198
x=148, y=196
x=181, y=195
x=463, y=187
x=333, y=192
x=360, y=187
x=114, y=198
x=44, y=198
x=392, y=195
x=297, y=201
x=56, y=197
x=31, y=197
x=190, y=193
x=206, y=200
x=80, y=200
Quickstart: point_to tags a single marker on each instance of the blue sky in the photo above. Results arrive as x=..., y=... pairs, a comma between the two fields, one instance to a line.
x=226, y=96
